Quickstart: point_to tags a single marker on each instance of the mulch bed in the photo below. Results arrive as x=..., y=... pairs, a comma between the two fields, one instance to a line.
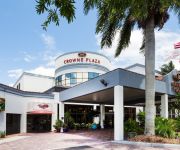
x=154, y=139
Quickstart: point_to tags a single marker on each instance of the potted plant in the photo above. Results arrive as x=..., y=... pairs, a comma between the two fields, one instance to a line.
x=131, y=127
x=58, y=125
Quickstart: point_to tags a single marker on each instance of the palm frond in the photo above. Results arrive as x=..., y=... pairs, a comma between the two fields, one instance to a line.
x=90, y=4
x=125, y=34
x=142, y=48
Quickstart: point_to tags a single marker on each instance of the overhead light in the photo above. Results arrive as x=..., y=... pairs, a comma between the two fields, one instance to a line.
x=103, y=82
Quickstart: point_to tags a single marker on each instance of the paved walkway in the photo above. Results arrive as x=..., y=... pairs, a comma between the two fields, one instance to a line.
x=93, y=140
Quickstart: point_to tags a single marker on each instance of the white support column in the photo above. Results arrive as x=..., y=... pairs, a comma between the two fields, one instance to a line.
x=61, y=111
x=94, y=107
x=118, y=113
x=23, y=123
x=3, y=121
x=54, y=115
x=102, y=115
x=164, y=106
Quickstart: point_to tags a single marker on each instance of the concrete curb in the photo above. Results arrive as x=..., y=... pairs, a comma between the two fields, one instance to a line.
x=160, y=145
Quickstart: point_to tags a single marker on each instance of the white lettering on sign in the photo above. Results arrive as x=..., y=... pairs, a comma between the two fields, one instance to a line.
x=83, y=60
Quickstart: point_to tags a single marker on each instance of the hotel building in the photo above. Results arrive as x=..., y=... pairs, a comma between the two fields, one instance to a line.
x=83, y=82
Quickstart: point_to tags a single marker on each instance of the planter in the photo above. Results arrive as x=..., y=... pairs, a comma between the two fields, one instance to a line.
x=65, y=129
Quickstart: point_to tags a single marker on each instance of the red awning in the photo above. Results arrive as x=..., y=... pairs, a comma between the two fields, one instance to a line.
x=39, y=112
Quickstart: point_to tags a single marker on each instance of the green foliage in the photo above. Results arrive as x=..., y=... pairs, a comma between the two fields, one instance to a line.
x=141, y=118
x=56, y=9
x=68, y=119
x=120, y=14
x=176, y=105
x=2, y=107
x=77, y=126
x=167, y=68
x=165, y=127
x=2, y=134
x=2, y=104
x=178, y=124
x=88, y=125
x=131, y=126
x=58, y=125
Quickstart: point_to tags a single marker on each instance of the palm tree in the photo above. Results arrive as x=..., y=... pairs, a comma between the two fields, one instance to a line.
x=166, y=68
x=123, y=15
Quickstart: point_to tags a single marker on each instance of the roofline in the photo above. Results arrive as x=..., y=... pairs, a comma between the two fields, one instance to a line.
x=139, y=65
x=32, y=74
x=82, y=52
x=8, y=89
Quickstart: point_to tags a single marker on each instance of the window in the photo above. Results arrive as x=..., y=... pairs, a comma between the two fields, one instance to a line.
x=92, y=75
x=74, y=78
x=19, y=86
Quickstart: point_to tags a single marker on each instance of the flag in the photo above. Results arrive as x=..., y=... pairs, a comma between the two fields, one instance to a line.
x=177, y=45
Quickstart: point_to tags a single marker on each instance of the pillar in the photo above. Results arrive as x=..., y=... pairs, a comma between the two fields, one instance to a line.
x=54, y=115
x=164, y=106
x=61, y=111
x=23, y=123
x=102, y=115
x=118, y=113
x=2, y=121
x=94, y=107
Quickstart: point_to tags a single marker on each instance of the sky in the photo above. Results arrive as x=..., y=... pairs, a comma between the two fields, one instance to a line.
x=25, y=46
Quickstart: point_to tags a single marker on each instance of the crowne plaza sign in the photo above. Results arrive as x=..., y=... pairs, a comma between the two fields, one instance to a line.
x=176, y=82
x=81, y=58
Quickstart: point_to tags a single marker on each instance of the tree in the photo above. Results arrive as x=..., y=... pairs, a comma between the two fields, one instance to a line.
x=123, y=15
x=167, y=68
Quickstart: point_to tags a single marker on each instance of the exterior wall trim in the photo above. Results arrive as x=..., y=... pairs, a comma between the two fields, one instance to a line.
x=83, y=52
x=11, y=90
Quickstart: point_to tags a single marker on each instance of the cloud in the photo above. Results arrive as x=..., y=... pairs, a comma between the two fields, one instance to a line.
x=41, y=70
x=50, y=52
x=49, y=41
x=131, y=55
x=47, y=71
x=28, y=58
x=15, y=73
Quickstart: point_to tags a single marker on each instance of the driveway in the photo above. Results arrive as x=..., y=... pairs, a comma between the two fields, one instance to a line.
x=67, y=141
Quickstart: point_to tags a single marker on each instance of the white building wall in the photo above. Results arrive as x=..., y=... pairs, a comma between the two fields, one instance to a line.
x=16, y=104
x=35, y=83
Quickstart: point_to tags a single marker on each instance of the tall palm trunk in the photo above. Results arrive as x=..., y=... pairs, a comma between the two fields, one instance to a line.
x=150, y=77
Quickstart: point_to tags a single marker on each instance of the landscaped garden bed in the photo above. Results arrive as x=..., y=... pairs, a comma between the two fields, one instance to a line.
x=154, y=139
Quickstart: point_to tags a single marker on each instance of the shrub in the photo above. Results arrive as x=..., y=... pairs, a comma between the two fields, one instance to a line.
x=68, y=120
x=58, y=125
x=77, y=126
x=165, y=127
x=2, y=134
x=141, y=118
x=88, y=125
x=131, y=126
x=178, y=124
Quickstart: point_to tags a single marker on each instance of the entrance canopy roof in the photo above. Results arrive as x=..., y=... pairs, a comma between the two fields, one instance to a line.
x=101, y=89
